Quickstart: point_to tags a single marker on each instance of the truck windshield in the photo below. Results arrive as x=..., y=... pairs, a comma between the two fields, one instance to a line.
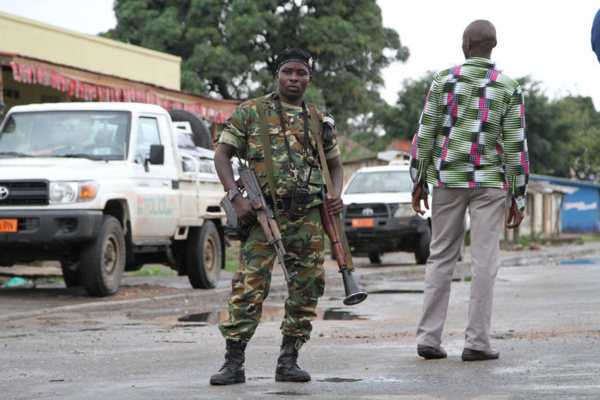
x=92, y=134
x=380, y=182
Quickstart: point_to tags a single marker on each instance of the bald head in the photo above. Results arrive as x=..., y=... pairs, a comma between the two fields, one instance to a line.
x=479, y=39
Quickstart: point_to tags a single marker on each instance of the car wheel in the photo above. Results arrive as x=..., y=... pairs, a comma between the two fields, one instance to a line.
x=103, y=259
x=204, y=256
x=422, y=249
x=376, y=257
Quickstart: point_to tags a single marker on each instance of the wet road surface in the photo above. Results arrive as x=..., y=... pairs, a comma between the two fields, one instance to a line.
x=158, y=340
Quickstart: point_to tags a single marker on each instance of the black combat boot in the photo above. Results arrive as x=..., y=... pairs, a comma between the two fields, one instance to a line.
x=232, y=370
x=287, y=368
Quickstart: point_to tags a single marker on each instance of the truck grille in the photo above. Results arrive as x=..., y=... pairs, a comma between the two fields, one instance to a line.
x=356, y=210
x=23, y=193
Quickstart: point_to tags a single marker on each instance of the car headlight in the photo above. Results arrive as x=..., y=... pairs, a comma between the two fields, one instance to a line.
x=72, y=192
x=404, y=210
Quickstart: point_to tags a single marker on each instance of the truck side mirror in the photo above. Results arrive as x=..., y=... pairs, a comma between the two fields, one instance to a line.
x=157, y=155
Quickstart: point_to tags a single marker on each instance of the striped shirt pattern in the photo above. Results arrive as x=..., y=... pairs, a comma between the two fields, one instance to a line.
x=472, y=132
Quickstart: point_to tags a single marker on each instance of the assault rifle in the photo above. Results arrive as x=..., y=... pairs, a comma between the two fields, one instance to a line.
x=264, y=216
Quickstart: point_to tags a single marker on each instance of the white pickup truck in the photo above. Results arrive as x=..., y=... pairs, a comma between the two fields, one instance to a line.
x=103, y=188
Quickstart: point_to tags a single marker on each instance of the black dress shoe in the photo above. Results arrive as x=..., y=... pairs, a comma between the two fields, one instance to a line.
x=475, y=355
x=431, y=353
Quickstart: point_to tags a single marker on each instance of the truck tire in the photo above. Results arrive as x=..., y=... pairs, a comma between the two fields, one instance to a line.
x=202, y=135
x=103, y=259
x=376, y=257
x=422, y=248
x=204, y=256
x=71, y=277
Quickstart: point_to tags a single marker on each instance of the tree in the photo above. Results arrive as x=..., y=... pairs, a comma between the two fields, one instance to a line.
x=228, y=47
x=580, y=119
x=546, y=139
x=402, y=120
x=563, y=134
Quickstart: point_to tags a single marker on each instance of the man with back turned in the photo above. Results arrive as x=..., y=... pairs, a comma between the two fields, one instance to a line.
x=471, y=147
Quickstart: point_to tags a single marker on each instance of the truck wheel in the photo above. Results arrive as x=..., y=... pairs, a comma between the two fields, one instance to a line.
x=202, y=135
x=103, y=259
x=376, y=257
x=422, y=249
x=204, y=256
x=71, y=277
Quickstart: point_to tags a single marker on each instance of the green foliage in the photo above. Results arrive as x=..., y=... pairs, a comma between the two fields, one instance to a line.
x=545, y=136
x=232, y=257
x=402, y=120
x=229, y=47
x=152, y=270
x=582, y=123
x=563, y=135
x=533, y=238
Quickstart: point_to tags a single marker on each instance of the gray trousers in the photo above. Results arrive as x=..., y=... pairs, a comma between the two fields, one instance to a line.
x=486, y=210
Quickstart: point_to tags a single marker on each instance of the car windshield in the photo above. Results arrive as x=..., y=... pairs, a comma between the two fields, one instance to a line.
x=91, y=134
x=380, y=182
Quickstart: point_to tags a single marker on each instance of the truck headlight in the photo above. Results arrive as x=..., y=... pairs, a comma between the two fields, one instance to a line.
x=72, y=192
x=404, y=210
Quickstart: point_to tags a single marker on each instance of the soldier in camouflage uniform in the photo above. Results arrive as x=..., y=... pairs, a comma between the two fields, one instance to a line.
x=295, y=163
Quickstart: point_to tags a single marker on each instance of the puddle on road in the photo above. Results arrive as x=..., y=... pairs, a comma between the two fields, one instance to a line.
x=287, y=394
x=395, y=291
x=269, y=314
x=580, y=262
x=326, y=380
x=339, y=380
x=339, y=314
x=198, y=317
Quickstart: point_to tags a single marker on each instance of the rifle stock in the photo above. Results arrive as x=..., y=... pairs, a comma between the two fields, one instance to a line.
x=353, y=294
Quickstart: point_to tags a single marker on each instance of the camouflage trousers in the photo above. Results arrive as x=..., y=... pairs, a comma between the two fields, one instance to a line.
x=304, y=245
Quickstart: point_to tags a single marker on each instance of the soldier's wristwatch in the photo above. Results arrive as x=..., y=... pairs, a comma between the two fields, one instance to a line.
x=232, y=193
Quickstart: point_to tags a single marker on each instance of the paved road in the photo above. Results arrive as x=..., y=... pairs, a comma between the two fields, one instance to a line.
x=58, y=343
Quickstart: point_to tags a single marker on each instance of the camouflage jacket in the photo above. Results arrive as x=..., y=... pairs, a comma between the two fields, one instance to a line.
x=242, y=131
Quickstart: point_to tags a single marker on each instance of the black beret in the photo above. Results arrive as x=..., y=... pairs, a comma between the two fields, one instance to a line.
x=293, y=55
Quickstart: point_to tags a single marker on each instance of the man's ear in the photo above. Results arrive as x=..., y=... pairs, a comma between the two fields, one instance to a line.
x=277, y=75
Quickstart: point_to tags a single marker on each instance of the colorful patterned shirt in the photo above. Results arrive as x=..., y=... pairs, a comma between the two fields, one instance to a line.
x=242, y=131
x=472, y=132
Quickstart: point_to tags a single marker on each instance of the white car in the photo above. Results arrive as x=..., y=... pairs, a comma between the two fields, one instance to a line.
x=378, y=214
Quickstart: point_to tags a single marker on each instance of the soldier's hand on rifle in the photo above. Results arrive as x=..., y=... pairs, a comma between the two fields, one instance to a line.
x=245, y=209
x=334, y=203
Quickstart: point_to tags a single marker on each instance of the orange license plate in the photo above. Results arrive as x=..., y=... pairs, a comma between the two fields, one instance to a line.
x=8, y=225
x=362, y=223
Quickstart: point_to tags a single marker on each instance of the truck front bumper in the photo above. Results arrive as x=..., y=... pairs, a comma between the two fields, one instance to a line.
x=387, y=235
x=45, y=227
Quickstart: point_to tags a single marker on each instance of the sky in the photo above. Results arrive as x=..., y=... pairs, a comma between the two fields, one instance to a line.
x=546, y=40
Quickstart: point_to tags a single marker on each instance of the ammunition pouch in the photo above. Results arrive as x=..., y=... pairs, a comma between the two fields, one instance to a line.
x=301, y=198
x=295, y=208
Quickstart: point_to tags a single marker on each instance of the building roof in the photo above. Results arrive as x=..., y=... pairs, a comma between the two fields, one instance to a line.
x=564, y=181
